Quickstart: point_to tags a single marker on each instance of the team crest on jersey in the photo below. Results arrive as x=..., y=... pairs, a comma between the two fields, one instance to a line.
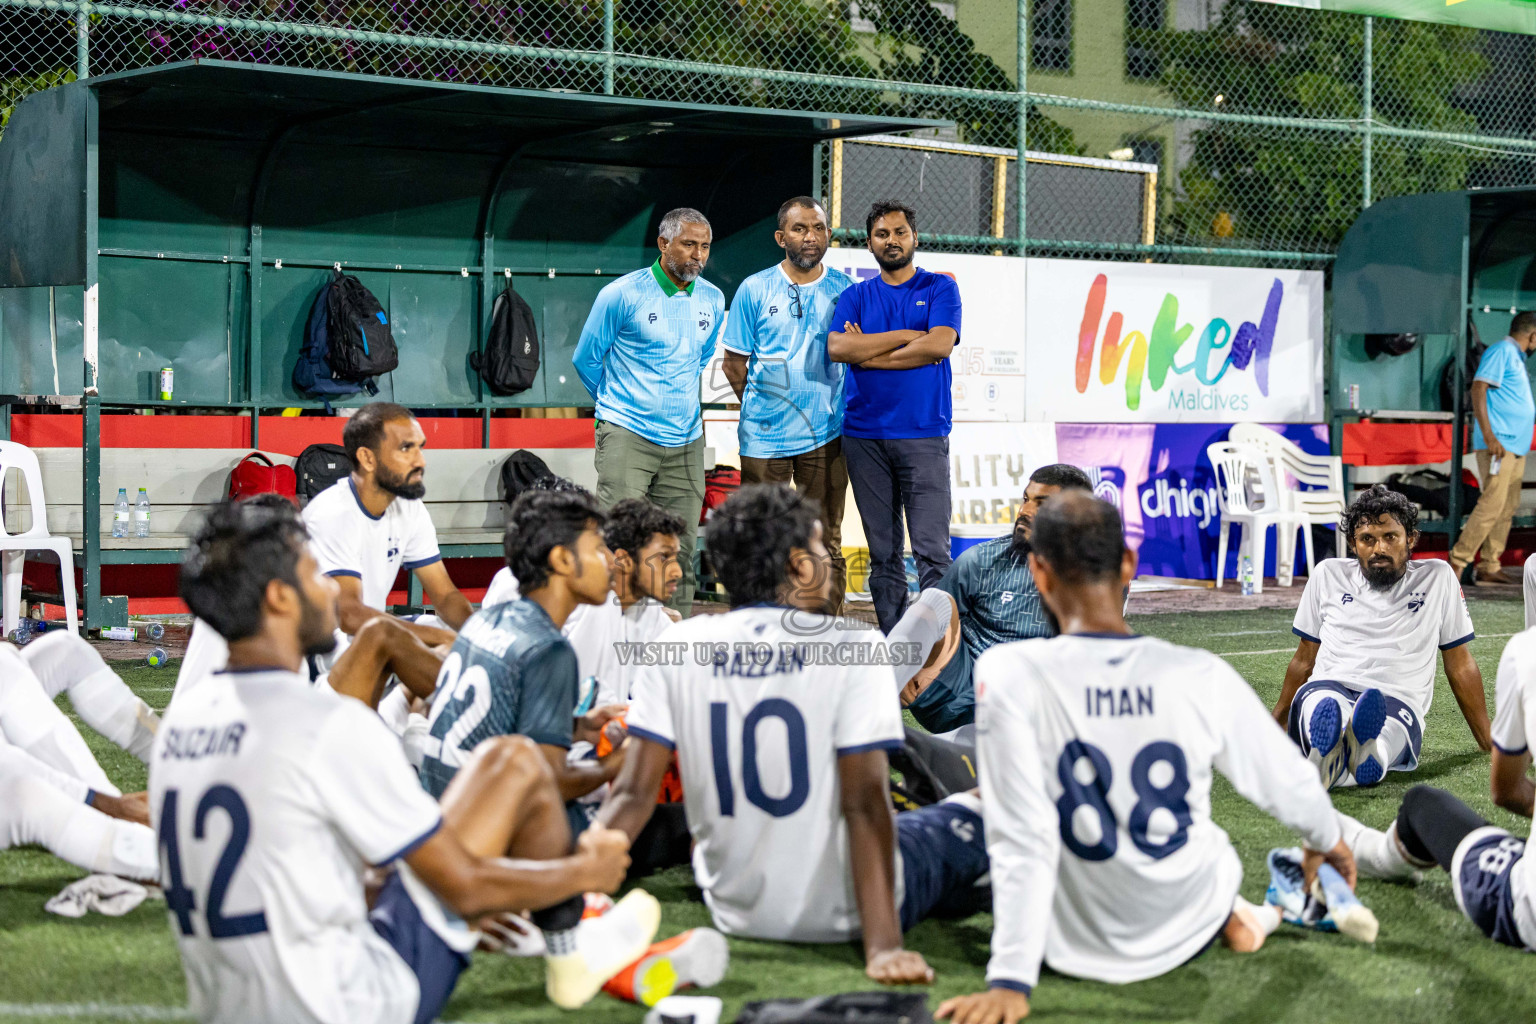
x=1416, y=601
x=394, y=548
x=703, y=323
x=1346, y=599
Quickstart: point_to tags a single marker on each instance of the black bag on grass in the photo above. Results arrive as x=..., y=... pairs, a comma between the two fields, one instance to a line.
x=319, y=466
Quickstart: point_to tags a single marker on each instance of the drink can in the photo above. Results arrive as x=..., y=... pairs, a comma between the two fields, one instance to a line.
x=1354, y=396
x=167, y=383
x=119, y=633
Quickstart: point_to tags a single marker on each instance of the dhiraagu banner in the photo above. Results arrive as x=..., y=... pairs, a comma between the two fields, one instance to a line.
x=1499, y=15
x=1148, y=343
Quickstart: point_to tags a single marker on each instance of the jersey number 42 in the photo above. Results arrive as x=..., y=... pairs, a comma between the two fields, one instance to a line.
x=180, y=900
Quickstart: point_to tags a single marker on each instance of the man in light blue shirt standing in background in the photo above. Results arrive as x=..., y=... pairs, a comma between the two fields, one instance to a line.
x=791, y=392
x=646, y=342
x=1504, y=416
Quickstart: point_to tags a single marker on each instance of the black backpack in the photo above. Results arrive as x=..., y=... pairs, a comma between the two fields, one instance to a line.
x=519, y=472
x=511, y=357
x=312, y=371
x=361, y=343
x=319, y=466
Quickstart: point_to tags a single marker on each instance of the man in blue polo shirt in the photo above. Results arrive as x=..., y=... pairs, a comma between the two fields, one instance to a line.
x=1504, y=416
x=897, y=332
x=791, y=392
x=647, y=340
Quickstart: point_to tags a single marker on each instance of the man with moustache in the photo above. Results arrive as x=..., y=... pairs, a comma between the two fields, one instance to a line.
x=897, y=332
x=997, y=602
x=645, y=344
x=1361, y=681
x=791, y=391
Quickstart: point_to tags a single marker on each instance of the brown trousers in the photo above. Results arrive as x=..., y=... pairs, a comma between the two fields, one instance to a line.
x=1488, y=525
x=820, y=474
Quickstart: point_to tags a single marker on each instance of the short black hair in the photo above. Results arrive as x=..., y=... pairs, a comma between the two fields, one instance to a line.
x=540, y=521
x=1371, y=505
x=750, y=538
x=240, y=547
x=790, y=204
x=1062, y=475
x=1522, y=322
x=884, y=206
x=1081, y=537
x=365, y=428
x=634, y=521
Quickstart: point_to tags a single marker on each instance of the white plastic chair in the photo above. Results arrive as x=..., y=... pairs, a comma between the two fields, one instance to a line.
x=1324, y=504
x=14, y=546
x=1248, y=496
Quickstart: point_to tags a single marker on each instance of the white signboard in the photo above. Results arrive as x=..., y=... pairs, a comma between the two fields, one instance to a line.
x=1147, y=343
x=989, y=464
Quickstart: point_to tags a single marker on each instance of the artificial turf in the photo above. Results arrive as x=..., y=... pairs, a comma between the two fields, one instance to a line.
x=1429, y=964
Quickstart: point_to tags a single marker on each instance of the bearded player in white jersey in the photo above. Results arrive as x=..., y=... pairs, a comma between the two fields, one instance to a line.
x=1097, y=751
x=1363, y=675
x=782, y=730
x=273, y=798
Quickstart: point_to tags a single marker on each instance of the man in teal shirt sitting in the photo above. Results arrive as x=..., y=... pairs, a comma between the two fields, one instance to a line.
x=1504, y=417
x=648, y=338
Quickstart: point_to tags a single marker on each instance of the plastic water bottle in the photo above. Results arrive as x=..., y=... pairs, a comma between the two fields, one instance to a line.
x=1247, y=576
x=156, y=631
x=141, y=514
x=120, y=514
x=26, y=631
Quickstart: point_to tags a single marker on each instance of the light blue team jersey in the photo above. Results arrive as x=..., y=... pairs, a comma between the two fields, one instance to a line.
x=642, y=350
x=793, y=401
x=1511, y=412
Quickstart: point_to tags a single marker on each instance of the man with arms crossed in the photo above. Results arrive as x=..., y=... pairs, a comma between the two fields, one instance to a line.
x=781, y=741
x=1097, y=752
x=271, y=796
x=790, y=390
x=1363, y=675
x=897, y=332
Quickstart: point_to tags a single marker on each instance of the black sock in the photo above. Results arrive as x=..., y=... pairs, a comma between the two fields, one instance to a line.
x=558, y=923
x=1432, y=823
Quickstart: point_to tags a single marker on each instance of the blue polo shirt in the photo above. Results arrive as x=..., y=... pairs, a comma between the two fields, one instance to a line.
x=1511, y=411
x=899, y=403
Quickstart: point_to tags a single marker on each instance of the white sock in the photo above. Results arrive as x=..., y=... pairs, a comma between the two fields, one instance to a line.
x=15, y=761
x=1377, y=854
x=1266, y=915
x=32, y=811
x=924, y=623
x=31, y=721
x=65, y=661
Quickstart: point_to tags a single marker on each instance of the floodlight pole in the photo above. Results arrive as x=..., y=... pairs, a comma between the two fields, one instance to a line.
x=1368, y=113
x=1023, y=99
x=83, y=40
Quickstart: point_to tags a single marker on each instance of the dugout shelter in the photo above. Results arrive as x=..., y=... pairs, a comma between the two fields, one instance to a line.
x=185, y=216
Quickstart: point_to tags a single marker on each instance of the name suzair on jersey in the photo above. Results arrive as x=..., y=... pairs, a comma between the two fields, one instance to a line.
x=758, y=727
x=348, y=540
x=1383, y=638
x=510, y=672
x=269, y=797
x=1514, y=723
x=1096, y=755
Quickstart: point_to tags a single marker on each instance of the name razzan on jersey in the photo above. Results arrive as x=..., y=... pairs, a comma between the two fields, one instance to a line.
x=759, y=710
x=1096, y=754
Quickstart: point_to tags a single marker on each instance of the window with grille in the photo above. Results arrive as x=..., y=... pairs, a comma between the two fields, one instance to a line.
x=1143, y=17
x=1050, y=40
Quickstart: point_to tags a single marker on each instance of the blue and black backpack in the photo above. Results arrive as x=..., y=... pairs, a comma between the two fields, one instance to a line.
x=347, y=342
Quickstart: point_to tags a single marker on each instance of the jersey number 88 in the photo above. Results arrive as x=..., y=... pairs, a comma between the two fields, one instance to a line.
x=1151, y=797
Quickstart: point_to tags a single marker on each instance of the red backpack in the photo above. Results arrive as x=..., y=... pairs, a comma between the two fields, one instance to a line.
x=719, y=483
x=251, y=477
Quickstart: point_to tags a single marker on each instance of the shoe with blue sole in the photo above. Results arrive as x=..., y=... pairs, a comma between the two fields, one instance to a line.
x=1367, y=759
x=1325, y=733
x=1349, y=916
x=1331, y=906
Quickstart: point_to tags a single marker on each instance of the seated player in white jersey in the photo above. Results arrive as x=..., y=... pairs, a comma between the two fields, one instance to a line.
x=364, y=529
x=1098, y=749
x=1493, y=881
x=1363, y=675
x=1528, y=590
x=781, y=736
x=272, y=798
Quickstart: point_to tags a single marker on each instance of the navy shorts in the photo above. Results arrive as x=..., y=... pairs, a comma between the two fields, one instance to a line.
x=950, y=700
x=436, y=964
x=1396, y=709
x=1480, y=878
x=943, y=854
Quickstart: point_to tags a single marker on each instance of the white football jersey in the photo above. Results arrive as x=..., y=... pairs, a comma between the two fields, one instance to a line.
x=503, y=588
x=759, y=725
x=1383, y=638
x=270, y=797
x=207, y=653
x=1514, y=723
x=1096, y=753
x=347, y=540
x=1528, y=587
x=608, y=641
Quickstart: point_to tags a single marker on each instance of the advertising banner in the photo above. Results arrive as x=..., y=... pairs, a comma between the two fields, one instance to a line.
x=1146, y=343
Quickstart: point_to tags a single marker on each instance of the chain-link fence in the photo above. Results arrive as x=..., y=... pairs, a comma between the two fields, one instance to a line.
x=1269, y=126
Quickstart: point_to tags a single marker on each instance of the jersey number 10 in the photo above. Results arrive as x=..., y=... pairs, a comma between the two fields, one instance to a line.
x=751, y=782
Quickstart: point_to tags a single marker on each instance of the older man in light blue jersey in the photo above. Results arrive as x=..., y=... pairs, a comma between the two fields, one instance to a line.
x=790, y=390
x=647, y=340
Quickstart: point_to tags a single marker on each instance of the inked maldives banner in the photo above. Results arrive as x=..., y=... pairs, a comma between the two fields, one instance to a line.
x=1148, y=343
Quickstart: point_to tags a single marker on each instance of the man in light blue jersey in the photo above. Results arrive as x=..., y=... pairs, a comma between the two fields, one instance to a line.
x=646, y=342
x=791, y=392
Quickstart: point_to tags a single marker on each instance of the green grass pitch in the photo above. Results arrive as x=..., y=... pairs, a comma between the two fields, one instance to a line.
x=1430, y=963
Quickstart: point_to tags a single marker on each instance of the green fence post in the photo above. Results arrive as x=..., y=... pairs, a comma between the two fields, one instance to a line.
x=1023, y=90
x=83, y=40
x=90, y=434
x=608, y=47
x=1367, y=108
